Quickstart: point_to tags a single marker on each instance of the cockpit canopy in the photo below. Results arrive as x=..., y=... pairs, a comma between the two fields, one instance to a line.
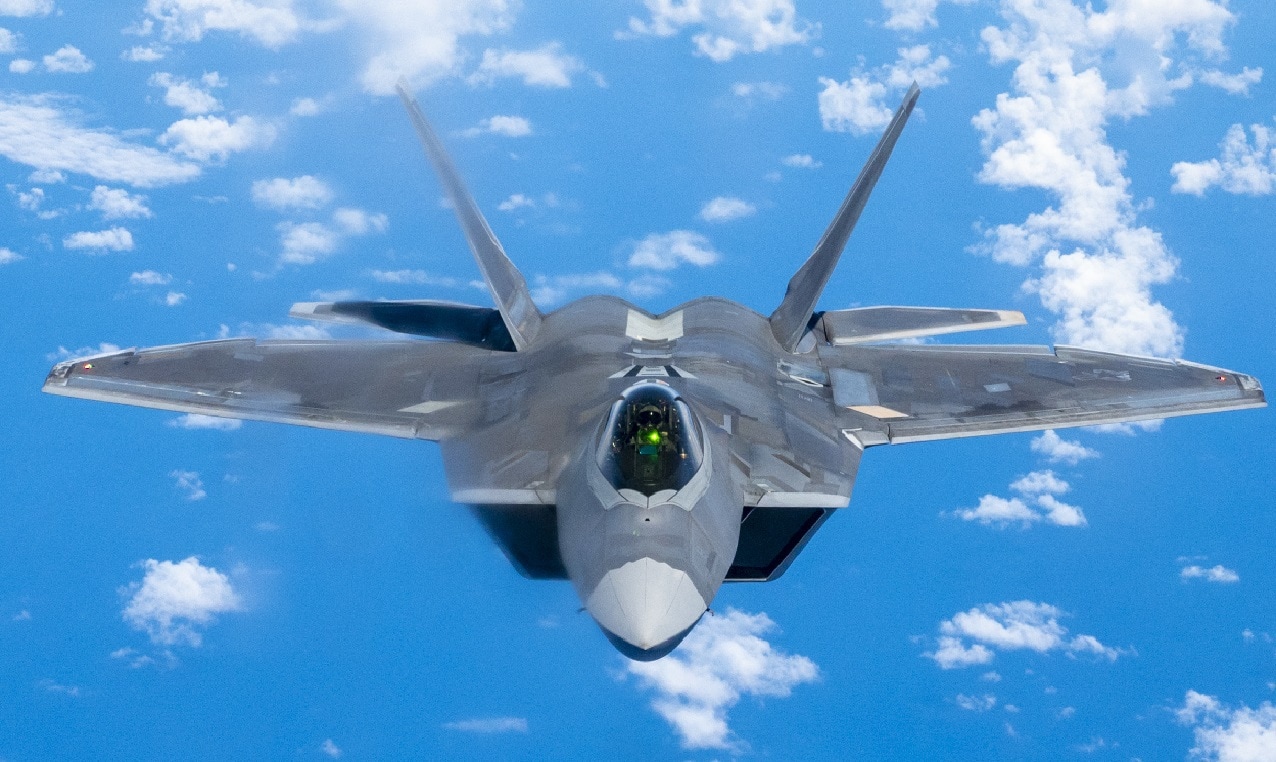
x=651, y=442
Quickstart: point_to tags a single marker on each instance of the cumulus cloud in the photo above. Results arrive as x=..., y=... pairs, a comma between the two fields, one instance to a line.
x=176, y=600
x=1217, y=573
x=305, y=107
x=801, y=161
x=726, y=208
x=330, y=749
x=26, y=7
x=304, y=243
x=549, y=290
x=282, y=194
x=975, y=703
x=1056, y=449
x=36, y=132
x=546, y=66
x=1225, y=734
x=1075, y=69
x=723, y=659
x=859, y=104
x=419, y=41
x=21, y=66
x=975, y=636
x=1242, y=167
x=914, y=15
x=1036, y=502
x=415, y=277
x=509, y=126
x=212, y=139
x=143, y=54
x=174, y=298
x=191, y=97
x=771, y=91
x=114, y=239
x=190, y=482
x=489, y=725
x=667, y=251
x=8, y=42
x=117, y=203
x=271, y=23
x=150, y=278
x=192, y=421
x=68, y=60
x=730, y=27
x=8, y=256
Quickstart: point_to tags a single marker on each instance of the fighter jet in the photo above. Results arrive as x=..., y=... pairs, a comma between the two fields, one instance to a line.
x=650, y=458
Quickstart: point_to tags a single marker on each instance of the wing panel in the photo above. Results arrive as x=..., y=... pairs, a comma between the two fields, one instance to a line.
x=952, y=391
x=375, y=387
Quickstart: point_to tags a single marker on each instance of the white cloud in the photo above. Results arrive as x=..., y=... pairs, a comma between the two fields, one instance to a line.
x=1217, y=573
x=547, y=290
x=175, y=600
x=212, y=139
x=771, y=91
x=1037, y=503
x=192, y=421
x=305, y=107
x=8, y=256
x=730, y=27
x=914, y=15
x=1011, y=626
x=801, y=161
x=1241, y=168
x=271, y=23
x=104, y=348
x=150, y=278
x=46, y=177
x=1229, y=735
x=419, y=41
x=117, y=203
x=1076, y=68
x=187, y=95
x=516, y=201
x=113, y=239
x=304, y=243
x=546, y=66
x=975, y=703
x=489, y=725
x=21, y=66
x=33, y=131
x=143, y=54
x=859, y=105
x=1233, y=84
x=26, y=7
x=415, y=277
x=174, y=298
x=1059, y=450
x=726, y=208
x=723, y=659
x=68, y=60
x=8, y=42
x=191, y=483
x=666, y=251
x=331, y=749
x=281, y=193
x=509, y=126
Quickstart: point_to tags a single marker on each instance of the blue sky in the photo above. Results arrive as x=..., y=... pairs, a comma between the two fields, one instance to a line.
x=178, y=170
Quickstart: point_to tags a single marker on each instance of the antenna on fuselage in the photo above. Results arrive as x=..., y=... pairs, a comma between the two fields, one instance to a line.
x=509, y=289
x=790, y=320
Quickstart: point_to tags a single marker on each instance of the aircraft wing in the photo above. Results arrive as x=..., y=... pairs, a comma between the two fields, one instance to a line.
x=901, y=394
x=410, y=389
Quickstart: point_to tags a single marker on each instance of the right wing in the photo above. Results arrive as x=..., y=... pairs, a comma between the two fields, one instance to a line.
x=410, y=389
x=915, y=393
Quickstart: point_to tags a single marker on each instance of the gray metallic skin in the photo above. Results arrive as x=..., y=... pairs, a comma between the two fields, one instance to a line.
x=780, y=408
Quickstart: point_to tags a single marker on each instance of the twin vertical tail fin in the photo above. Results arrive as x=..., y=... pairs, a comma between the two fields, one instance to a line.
x=509, y=289
x=790, y=321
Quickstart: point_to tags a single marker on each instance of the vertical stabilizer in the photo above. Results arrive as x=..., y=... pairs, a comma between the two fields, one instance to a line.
x=509, y=289
x=789, y=321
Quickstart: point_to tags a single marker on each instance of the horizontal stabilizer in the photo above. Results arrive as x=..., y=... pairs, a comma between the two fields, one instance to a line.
x=868, y=324
x=479, y=326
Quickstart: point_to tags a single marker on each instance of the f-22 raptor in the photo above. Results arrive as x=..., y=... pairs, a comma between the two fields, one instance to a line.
x=650, y=458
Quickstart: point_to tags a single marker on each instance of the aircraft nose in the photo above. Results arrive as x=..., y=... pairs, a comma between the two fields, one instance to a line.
x=646, y=607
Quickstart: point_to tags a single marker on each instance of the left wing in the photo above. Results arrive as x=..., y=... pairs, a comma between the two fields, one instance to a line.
x=410, y=389
x=901, y=394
